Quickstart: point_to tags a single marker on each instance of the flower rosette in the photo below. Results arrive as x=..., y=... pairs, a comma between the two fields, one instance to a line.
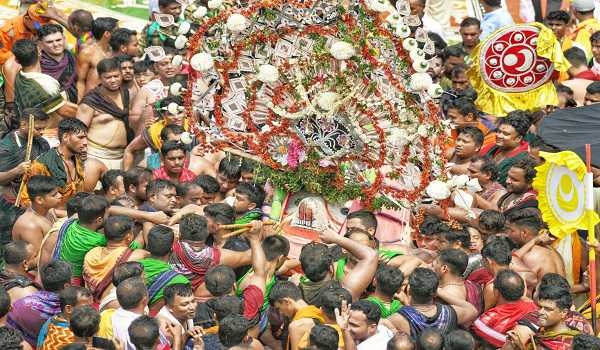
x=321, y=95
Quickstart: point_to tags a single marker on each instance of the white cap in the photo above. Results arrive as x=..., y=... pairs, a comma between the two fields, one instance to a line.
x=583, y=5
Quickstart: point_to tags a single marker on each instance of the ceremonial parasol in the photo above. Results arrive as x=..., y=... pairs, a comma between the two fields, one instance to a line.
x=571, y=129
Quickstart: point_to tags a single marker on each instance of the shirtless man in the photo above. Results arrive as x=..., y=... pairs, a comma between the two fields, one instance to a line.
x=524, y=226
x=19, y=258
x=33, y=225
x=450, y=266
x=80, y=25
x=89, y=56
x=468, y=145
x=141, y=109
x=105, y=111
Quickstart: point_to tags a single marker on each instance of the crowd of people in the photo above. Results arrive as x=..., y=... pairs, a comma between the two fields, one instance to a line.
x=119, y=232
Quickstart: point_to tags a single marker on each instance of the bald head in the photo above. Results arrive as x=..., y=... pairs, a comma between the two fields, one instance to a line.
x=80, y=22
x=401, y=341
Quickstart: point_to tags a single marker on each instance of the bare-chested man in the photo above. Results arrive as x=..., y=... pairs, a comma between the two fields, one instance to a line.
x=80, y=25
x=89, y=56
x=524, y=226
x=450, y=266
x=19, y=259
x=33, y=225
x=105, y=110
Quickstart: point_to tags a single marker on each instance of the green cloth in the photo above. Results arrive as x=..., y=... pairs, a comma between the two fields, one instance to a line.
x=384, y=256
x=29, y=93
x=269, y=285
x=153, y=268
x=339, y=269
x=252, y=215
x=135, y=245
x=77, y=242
x=387, y=255
x=385, y=311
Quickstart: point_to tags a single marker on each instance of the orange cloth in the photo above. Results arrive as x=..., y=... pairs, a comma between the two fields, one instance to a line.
x=13, y=29
x=309, y=311
x=305, y=340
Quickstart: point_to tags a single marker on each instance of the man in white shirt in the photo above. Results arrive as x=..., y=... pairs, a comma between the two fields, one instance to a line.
x=364, y=327
x=179, y=309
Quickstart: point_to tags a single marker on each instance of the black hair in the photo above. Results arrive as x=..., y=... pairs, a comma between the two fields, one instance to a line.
x=109, y=178
x=230, y=167
x=423, y=284
x=464, y=106
x=389, y=279
x=439, y=44
x=130, y=292
x=470, y=21
x=178, y=289
x=208, y=183
x=74, y=203
x=493, y=3
x=85, y=321
x=474, y=132
x=70, y=296
x=74, y=346
x=584, y=341
x=459, y=340
x=141, y=67
x=4, y=302
x=120, y=37
x=15, y=252
x=163, y=3
x=458, y=70
x=456, y=259
x=524, y=218
x=562, y=16
x=561, y=296
x=576, y=57
x=193, y=227
x=372, y=311
x=432, y=225
x=316, y=260
x=324, y=337
x=248, y=166
x=284, y=289
x=554, y=280
x=38, y=114
x=132, y=176
x=171, y=145
x=219, y=280
x=92, y=208
x=510, y=285
x=492, y=221
x=367, y=218
x=144, y=332
x=10, y=339
x=254, y=193
x=41, y=185
x=528, y=166
x=275, y=247
x=221, y=307
x=460, y=235
x=126, y=270
x=170, y=128
x=83, y=19
x=48, y=29
x=519, y=120
x=488, y=166
x=116, y=227
x=453, y=51
x=430, y=339
x=26, y=52
x=332, y=299
x=108, y=65
x=55, y=275
x=71, y=126
x=157, y=186
x=594, y=87
x=160, y=240
x=563, y=88
x=499, y=250
x=232, y=330
x=220, y=212
x=102, y=25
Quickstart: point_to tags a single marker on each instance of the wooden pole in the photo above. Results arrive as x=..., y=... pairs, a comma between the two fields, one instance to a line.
x=27, y=158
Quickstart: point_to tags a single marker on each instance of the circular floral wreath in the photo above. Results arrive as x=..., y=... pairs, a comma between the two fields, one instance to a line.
x=328, y=97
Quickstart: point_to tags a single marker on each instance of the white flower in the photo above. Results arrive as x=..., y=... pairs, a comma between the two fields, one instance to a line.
x=463, y=199
x=435, y=90
x=420, y=65
x=402, y=30
x=393, y=18
x=422, y=131
x=176, y=88
x=438, y=190
x=398, y=138
x=409, y=44
x=200, y=12
x=237, y=23
x=416, y=54
x=267, y=73
x=184, y=28
x=202, y=62
x=342, y=50
x=458, y=181
x=180, y=42
x=173, y=108
x=177, y=60
x=377, y=5
x=265, y=129
x=473, y=185
x=186, y=137
x=214, y=4
x=326, y=100
x=420, y=82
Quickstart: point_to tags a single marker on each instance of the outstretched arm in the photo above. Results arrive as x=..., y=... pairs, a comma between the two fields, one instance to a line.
x=465, y=312
x=259, y=261
x=357, y=280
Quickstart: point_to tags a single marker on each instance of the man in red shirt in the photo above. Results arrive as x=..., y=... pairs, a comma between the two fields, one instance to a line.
x=173, y=164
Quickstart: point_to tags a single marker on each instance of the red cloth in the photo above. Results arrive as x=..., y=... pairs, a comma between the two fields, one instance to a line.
x=253, y=299
x=493, y=325
x=481, y=276
x=588, y=75
x=186, y=175
x=523, y=147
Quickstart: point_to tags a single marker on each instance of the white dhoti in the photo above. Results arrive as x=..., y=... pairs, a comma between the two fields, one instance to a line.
x=111, y=157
